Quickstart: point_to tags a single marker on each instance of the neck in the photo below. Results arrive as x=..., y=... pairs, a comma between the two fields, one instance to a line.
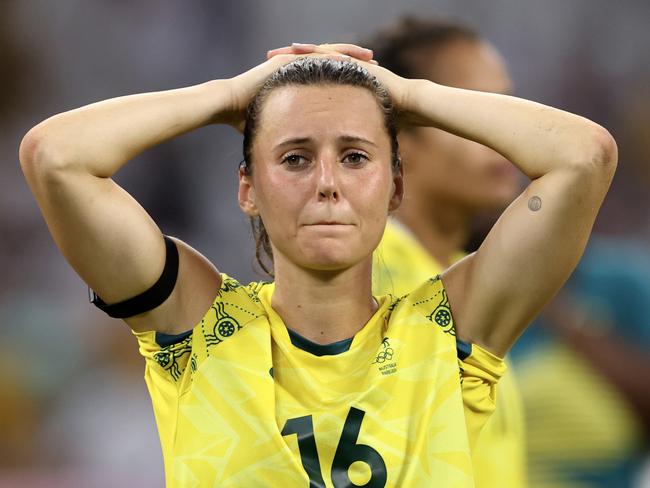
x=441, y=227
x=324, y=306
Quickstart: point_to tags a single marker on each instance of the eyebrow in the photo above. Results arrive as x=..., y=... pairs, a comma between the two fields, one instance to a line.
x=306, y=140
x=356, y=139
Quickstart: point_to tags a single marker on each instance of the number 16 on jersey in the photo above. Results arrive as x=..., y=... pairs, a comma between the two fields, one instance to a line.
x=347, y=452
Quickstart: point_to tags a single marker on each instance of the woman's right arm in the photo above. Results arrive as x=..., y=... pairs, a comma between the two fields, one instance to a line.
x=107, y=237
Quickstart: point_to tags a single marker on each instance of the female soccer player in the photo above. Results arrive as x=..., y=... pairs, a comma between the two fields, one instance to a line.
x=312, y=381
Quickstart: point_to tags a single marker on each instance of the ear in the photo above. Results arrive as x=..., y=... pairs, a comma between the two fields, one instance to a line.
x=246, y=194
x=398, y=190
x=408, y=147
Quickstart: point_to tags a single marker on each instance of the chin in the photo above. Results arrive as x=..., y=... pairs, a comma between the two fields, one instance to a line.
x=331, y=256
x=329, y=262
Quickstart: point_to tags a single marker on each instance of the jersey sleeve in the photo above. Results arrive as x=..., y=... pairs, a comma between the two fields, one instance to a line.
x=479, y=373
x=166, y=356
x=170, y=359
x=166, y=375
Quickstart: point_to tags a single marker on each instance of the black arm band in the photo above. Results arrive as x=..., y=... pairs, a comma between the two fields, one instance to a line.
x=150, y=299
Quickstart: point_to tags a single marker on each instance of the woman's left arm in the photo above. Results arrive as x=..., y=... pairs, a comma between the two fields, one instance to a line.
x=539, y=239
x=537, y=242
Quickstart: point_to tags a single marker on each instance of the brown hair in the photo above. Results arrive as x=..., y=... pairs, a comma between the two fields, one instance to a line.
x=397, y=48
x=305, y=72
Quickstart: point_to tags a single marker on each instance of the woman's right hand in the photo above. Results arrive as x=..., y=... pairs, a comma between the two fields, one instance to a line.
x=245, y=86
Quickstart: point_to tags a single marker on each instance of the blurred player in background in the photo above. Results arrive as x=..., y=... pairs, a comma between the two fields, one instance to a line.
x=589, y=413
x=450, y=181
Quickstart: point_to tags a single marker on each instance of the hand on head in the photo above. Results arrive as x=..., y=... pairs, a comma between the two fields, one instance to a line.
x=246, y=85
x=345, y=51
x=396, y=85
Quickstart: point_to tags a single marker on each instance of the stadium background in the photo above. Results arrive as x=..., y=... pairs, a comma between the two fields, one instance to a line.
x=74, y=410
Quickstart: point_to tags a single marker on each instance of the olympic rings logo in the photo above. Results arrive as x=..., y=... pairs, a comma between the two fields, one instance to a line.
x=383, y=356
x=386, y=354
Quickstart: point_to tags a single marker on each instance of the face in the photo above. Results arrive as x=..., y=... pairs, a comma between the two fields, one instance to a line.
x=321, y=175
x=455, y=170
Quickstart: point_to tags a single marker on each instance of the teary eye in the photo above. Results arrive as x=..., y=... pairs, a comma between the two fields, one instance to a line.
x=355, y=158
x=294, y=160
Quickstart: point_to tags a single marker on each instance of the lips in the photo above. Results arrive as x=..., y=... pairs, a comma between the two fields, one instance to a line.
x=329, y=223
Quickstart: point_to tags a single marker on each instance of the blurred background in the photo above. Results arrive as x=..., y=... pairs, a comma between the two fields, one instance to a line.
x=74, y=409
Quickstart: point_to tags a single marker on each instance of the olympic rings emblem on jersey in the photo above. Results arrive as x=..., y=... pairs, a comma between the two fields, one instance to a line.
x=386, y=354
x=383, y=356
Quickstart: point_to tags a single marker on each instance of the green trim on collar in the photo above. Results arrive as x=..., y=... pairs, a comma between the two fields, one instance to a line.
x=332, y=349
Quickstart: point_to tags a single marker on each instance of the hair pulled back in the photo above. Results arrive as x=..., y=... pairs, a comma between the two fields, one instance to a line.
x=310, y=72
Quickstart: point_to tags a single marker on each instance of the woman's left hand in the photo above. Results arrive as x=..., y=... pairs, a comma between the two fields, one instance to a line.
x=397, y=86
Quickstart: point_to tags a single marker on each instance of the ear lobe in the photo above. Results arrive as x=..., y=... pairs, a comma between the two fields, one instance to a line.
x=246, y=195
x=398, y=190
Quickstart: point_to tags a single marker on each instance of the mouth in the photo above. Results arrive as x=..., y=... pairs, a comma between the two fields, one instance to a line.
x=328, y=227
x=329, y=223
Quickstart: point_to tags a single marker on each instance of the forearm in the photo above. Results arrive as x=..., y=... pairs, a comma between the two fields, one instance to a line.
x=101, y=137
x=537, y=241
x=536, y=138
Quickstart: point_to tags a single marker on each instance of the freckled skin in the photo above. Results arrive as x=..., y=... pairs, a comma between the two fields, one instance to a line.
x=326, y=188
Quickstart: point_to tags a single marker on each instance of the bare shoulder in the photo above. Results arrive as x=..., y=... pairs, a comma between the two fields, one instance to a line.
x=196, y=287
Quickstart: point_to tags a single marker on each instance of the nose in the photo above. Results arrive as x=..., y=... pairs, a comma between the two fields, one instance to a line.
x=327, y=184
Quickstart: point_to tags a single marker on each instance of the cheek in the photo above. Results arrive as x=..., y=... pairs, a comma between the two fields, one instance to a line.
x=371, y=196
x=279, y=198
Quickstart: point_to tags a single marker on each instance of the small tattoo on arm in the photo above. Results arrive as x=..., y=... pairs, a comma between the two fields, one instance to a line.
x=535, y=203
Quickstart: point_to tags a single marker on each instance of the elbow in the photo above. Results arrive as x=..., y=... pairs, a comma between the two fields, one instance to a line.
x=606, y=149
x=602, y=153
x=593, y=156
x=38, y=155
x=29, y=148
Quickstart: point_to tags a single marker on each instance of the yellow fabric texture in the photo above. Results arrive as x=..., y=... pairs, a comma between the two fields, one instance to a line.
x=238, y=404
x=566, y=407
x=499, y=456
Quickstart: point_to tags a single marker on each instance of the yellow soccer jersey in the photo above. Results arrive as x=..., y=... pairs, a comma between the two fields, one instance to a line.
x=401, y=262
x=240, y=401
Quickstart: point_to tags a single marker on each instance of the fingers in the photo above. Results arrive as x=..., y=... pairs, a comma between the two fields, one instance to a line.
x=295, y=48
x=358, y=52
x=351, y=50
